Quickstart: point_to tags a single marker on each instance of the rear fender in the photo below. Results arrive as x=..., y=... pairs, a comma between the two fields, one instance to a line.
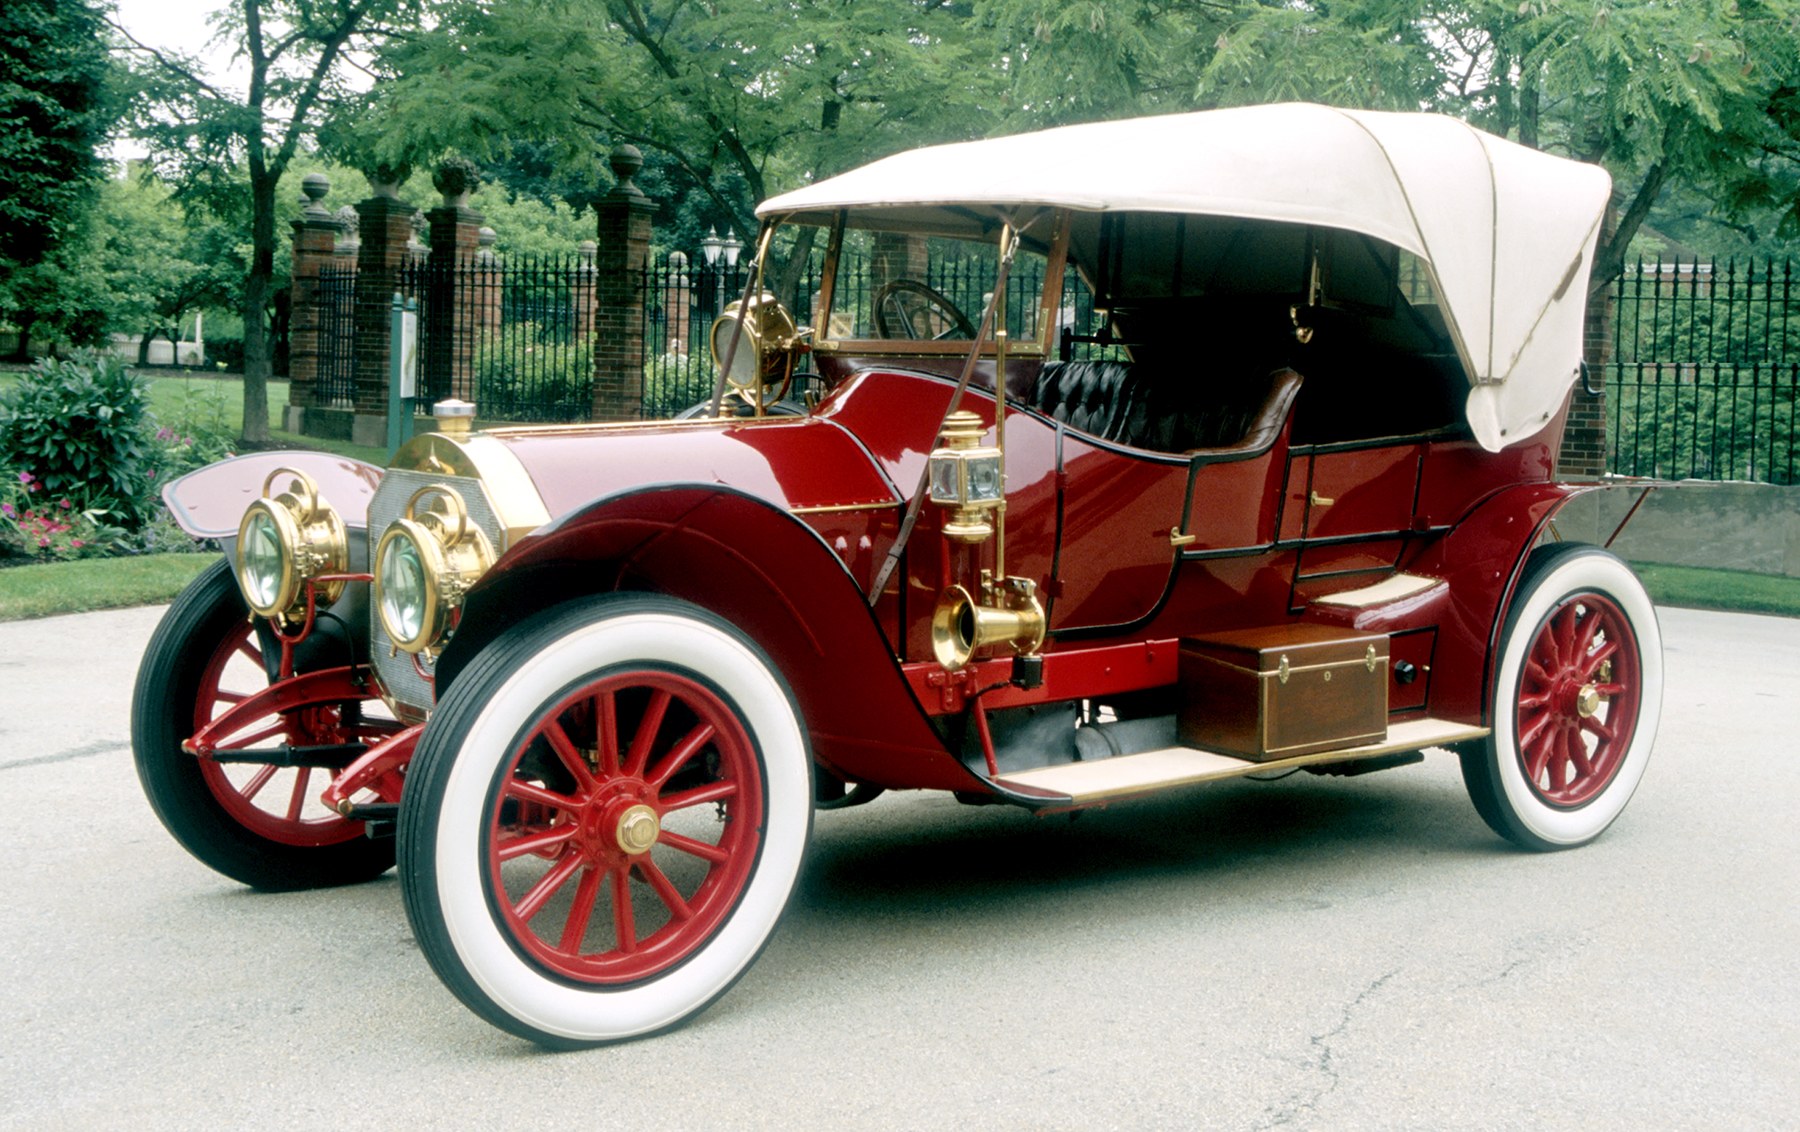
x=761, y=569
x=1481, y=559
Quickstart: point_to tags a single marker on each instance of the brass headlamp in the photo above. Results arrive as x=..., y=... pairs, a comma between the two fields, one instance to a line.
x=765, y=356
x=285, y=541
x=967, y=476
x=425, y=563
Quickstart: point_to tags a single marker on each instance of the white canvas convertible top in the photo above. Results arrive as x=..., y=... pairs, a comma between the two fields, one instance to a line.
x=1509, y=231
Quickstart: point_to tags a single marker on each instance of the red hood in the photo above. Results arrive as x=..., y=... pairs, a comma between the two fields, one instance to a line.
x=792, y=463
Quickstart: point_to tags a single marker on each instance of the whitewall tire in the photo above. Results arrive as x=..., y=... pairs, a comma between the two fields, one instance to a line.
x=605, y=819
x=1576, y=700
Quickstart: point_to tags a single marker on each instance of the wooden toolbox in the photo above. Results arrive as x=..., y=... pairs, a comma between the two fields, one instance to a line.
x=1281, y=691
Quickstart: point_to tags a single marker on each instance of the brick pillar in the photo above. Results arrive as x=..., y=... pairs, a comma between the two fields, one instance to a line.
x=581, y=291
x=448, y=363
x=678, y=302
x=1583, y=454
x=315, y=242
x=623, y=252
x=384, y=226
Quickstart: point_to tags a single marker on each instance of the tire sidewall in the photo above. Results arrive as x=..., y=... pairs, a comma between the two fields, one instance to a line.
x=470, y=744
x=1559, y=575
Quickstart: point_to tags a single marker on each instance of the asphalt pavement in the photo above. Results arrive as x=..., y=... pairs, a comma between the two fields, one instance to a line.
x=1316, y=953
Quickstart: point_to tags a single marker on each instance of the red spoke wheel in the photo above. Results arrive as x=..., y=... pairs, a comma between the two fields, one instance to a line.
x=604, y=820
x=254, y=822
x=1576, y=698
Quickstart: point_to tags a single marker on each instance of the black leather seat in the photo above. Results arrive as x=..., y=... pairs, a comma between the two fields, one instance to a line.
x=1115, y=401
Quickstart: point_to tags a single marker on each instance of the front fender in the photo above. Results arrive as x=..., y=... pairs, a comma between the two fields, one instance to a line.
x=210, y=502
x=761, y=569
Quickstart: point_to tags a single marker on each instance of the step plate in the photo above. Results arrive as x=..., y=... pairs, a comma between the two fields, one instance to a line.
x=1105, y=779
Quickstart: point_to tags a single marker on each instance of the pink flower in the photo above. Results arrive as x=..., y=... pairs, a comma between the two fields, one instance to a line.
x=165, y=433
x=64, y=505
x=75, y=542
x=43, y=542
x=25, y=477
x=7, y=509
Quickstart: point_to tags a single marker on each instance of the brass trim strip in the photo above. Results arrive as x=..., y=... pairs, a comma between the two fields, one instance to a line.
x=835, y=508
x=1288, y=670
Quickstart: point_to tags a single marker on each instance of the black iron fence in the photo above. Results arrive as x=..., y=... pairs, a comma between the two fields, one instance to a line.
x=1704, y=371
x=1703, y=379
x=337, y=337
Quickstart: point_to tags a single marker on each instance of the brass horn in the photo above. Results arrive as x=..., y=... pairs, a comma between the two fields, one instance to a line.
x=960, y=625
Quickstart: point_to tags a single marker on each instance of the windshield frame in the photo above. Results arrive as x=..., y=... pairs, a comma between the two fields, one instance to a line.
x=1041, y=345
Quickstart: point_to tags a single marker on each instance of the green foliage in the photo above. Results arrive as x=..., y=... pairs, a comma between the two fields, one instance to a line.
x=80, y=428
x=529, y=372
x=55, y=110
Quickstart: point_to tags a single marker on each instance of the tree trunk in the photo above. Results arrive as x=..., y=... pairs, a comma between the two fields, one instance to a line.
x=257, y=285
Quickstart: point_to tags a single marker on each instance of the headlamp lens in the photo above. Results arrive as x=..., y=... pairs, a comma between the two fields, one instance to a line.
x=402, y=589
x=262, y=560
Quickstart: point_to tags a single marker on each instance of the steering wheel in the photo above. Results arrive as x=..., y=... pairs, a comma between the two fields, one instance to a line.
x=904, y=304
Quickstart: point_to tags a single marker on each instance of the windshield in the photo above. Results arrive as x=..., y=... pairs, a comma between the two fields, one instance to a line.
x=918, y=292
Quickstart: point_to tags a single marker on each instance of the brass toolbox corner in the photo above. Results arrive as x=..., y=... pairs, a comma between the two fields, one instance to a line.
x=1281, y=691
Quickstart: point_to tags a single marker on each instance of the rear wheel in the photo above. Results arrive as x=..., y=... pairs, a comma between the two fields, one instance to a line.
x=1577, y=696
x=604, y=820
x=254, y=822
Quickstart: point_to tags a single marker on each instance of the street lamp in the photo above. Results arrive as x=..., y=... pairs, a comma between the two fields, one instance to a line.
x=709, y=247
x=733, y=247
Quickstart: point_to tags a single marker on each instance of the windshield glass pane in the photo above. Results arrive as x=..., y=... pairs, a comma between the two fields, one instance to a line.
x=908, y=286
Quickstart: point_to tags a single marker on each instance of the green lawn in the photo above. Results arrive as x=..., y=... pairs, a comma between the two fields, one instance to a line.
x=1734, y=591
x=96, y=583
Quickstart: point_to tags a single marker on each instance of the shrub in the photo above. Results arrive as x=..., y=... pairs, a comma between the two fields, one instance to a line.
x=79, y=430
x=225, y=352
x=527, y=372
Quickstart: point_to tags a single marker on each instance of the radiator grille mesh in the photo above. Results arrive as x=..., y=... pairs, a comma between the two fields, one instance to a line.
x=395, y=672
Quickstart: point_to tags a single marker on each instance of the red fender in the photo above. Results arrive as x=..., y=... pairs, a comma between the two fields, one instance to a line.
x=762, y=570
x=210, y=502
x=1481, y=559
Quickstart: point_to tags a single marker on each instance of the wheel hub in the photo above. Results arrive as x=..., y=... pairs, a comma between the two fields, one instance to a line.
x=1587, y=701
x=638, y=829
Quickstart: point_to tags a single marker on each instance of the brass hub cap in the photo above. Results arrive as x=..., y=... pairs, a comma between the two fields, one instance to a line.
x=1587, y=701
x=638, y=829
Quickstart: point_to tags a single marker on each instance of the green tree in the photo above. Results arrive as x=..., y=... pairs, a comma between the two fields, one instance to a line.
x=297, y=56
x=738, y=95
x=55, y=110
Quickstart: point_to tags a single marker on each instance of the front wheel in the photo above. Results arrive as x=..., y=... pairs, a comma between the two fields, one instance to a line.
x=258, y=823
x=1577, y=695
x=604, y=820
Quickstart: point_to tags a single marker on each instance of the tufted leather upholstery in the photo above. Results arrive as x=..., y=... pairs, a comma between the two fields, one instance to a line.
x=1114, y=401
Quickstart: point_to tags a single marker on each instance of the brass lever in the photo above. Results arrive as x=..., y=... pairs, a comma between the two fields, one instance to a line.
x=1176, y=538
x=1320, y=501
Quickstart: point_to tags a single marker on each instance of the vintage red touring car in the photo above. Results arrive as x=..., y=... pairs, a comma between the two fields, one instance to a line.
x=1284, y=501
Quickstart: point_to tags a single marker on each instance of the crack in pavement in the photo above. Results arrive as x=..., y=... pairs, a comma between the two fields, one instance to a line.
x=99, y=747
x=1323, y=1060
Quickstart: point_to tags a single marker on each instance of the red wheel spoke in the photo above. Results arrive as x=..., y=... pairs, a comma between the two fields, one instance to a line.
x=531, y=792
x=1578, y=756
x=665, y=888
x=571, y=758
x=1598, y=728
x=223, y=697
x=623, y=918
x=606, y=732
x=685, y=750
x=546, y=886
x=1537, y=673
x=257, y=781
x=247, y=649
x=693, y=848
x=1564, y=631
x=297, y=800
x=1531, y=731
x=537, y=842
x=1601, y=655
x=645, y=737
x=1537, y=700
x=256, y=737
x=581, y=912
x=716, y=792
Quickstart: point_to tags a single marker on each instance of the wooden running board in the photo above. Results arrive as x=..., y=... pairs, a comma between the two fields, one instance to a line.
x=1084, y=783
